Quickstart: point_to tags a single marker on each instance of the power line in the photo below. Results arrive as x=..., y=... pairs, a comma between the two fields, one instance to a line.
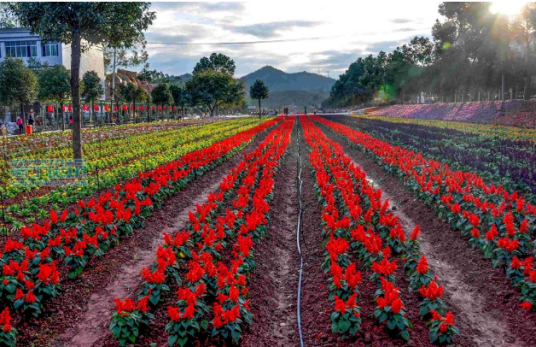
x=237, y=43
x=272, y=41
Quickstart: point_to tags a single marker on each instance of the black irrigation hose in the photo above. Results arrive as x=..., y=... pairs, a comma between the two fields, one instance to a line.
x=298, y=231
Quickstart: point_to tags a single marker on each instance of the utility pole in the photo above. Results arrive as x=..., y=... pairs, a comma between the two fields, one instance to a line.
x=502, y=89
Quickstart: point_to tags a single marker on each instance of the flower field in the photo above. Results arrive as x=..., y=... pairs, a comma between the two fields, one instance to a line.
x=110, y=159
x=411, y=233
x=473, y=112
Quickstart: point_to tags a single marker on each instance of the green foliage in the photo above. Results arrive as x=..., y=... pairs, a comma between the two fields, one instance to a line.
x=214, y=89
x=92, y=88
x=120, y=24
x=17, y=82
x=472, y=49
x=125, y=327
x=258, y=90
x=35, y=64
x=161, y=95
x=181, y=97
x=133, y=93
x=54, y=84
x=217, y=62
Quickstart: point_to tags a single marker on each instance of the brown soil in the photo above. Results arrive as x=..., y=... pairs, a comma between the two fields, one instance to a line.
x=485, y=304
x=275, y=280
x=70, y=316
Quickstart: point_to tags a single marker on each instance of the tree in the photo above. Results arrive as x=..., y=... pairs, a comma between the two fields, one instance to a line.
x=217, y=62
x=120, y=96
x=54, y=85
x=18, y=84
x=181, y=97
x=214, y=89
x=524, y=27
x=82, y=24
x=133, y=93
x=92, y=88
x=6, y=18
x=153, y=76
x=258, y=91
x=121, y=57
x=161, y=95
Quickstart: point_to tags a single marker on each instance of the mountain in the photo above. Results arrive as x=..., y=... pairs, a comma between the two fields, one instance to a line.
x=185, y=77
x=299, y=98
x=278, y=80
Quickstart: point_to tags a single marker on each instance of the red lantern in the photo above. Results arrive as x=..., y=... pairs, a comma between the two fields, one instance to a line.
x=132, y=108
x=96, y=108
x=70, y=108
x=50, y=109
x=106, y=108
x=141, y=107
x=85, y=108
x=174, y=108
x=147, y=108
x=115, y=108
x=125, y=107
x=165, y=107
x=154, y=108
x=159, y=108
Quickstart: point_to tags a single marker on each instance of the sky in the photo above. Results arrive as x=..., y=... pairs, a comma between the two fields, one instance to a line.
x=316, y=36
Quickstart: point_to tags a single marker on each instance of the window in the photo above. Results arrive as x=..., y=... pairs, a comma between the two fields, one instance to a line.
x=50, y=50
x=21, y=49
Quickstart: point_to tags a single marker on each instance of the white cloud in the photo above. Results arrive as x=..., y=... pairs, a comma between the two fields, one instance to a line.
x=305, y=35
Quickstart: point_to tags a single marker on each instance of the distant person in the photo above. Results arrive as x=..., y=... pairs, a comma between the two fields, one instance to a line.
x=71, y=120
x=305, y=110
x=30, y=120
x=19, y=123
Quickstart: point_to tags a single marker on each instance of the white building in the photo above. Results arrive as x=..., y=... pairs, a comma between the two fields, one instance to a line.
x=19, y=43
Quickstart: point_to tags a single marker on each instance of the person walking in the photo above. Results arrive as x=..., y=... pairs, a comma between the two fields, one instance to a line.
x=19, y=123
x=31, y=120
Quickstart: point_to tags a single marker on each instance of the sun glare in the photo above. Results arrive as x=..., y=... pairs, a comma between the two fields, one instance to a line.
x=509, y=8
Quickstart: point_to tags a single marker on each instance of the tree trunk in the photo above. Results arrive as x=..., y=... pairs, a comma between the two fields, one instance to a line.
x=211, y=110
x=62, y=117
x=134, y=113
x=502, y=88
x=75, y=93
x=526, y=90
x=259, y=108
x=23, y=114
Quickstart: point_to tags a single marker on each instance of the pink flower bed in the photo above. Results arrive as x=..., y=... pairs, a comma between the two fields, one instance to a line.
x=516, y=112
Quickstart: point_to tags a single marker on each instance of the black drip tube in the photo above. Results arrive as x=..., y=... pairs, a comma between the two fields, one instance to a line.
x=298, y=232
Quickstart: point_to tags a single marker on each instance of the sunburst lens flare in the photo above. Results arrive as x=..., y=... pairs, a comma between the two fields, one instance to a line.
x=509, y=8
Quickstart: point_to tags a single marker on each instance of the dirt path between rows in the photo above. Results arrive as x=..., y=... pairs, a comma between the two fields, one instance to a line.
x=101, y=306
x=486, y=306
x=80, y=315
x=275, y=280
